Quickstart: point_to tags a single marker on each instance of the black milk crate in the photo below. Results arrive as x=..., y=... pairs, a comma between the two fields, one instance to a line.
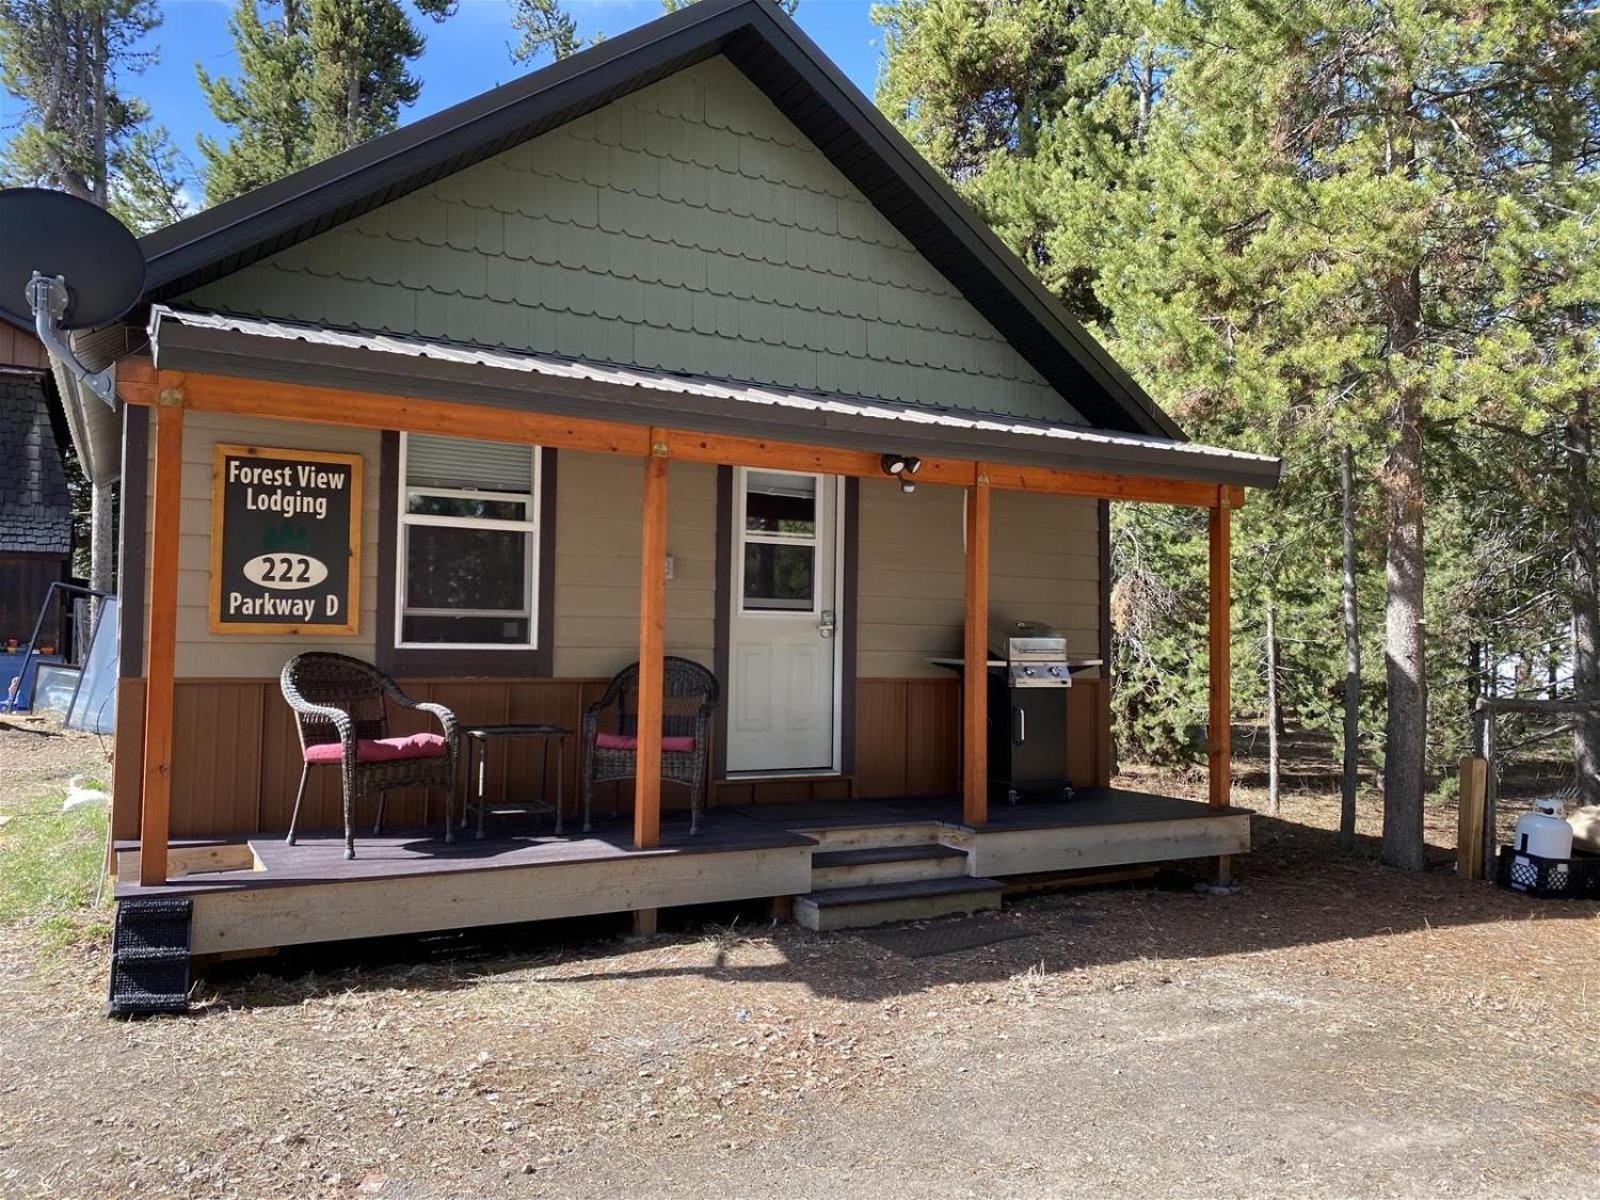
x=1548, y=878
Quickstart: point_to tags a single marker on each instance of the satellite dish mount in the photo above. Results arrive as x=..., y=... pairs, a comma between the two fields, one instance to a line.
x=66, y=264
x=48, y=298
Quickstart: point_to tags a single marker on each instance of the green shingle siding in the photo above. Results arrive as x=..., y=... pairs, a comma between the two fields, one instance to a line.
x=687, y=227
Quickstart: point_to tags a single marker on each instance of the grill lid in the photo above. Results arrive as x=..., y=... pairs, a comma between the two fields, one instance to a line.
x=1026, y=641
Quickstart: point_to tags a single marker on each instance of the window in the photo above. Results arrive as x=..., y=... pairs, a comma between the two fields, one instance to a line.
x=468, y=555
x=779, y=560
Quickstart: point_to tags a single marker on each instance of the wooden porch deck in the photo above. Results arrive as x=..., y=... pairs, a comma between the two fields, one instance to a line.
x=258, y=892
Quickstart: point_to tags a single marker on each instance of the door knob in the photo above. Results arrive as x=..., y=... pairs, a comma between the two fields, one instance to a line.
x=826, y=625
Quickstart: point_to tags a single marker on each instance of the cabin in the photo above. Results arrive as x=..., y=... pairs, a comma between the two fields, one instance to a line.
x=674, y=352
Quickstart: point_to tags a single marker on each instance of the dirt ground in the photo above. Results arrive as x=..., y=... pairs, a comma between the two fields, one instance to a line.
x=1335, y=1029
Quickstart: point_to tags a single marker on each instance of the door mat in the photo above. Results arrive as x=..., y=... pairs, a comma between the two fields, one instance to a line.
x=947, y=937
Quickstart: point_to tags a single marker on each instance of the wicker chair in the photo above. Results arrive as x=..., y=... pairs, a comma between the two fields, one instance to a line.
x=689, y=697
x=340, y=708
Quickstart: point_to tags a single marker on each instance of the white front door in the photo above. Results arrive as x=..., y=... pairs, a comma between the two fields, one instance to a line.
x=782, y=651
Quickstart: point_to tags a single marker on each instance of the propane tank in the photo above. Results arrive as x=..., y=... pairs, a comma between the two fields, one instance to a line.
x=1544, y=831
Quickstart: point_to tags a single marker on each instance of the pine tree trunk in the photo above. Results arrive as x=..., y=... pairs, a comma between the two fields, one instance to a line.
x=1405, y=659
x=100, y=148
x=1352, y=656
x=1585, y=557
x=1274, y=802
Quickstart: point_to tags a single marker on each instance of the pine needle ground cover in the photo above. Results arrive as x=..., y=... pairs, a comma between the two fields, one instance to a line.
x=1336, y=1029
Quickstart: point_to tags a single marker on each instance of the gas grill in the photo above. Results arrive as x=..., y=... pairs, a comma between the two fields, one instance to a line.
x=1028, y=680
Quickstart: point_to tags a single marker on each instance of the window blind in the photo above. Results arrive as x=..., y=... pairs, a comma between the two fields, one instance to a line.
x=447, y=462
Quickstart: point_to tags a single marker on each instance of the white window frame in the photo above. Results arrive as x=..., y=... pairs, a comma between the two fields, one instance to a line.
x=744, y=536
x=530, y=527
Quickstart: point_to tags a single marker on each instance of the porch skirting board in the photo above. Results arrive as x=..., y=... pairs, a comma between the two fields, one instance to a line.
x=236, y=759
x=418, y=902
x=258, y=893
x=1035, y=851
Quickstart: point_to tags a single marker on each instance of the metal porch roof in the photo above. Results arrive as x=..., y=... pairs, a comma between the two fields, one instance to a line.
x=293, y=353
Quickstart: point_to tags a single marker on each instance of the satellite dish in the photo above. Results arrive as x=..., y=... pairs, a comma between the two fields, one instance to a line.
x=66, y=264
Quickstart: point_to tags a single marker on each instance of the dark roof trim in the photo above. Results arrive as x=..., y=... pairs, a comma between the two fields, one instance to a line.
x=555, y=389
x=792, y=71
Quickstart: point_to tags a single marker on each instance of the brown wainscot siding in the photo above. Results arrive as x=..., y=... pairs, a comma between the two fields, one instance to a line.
x=237, y=761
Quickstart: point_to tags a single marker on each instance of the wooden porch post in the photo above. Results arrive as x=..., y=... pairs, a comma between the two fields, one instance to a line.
x=652, y=602
x=162, y=641
x=975, y=672
x=1221, y=709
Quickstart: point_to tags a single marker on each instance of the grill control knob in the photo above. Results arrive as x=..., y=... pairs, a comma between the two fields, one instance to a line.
x=1027, y=670
x=1056, y=671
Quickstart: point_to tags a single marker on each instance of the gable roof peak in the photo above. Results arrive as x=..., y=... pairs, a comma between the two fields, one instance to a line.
x=771, y=50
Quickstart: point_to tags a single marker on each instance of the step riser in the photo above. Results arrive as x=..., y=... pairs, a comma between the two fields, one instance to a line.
x=861, y=874
x=862, y=837
x=887, y=912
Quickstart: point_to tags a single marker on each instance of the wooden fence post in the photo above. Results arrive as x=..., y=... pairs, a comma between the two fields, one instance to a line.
x=1470, y=818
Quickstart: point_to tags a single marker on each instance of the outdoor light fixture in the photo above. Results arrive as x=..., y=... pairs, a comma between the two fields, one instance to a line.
x=902, y=467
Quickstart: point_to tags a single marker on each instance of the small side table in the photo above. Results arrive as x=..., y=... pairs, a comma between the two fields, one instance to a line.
x=478, y=739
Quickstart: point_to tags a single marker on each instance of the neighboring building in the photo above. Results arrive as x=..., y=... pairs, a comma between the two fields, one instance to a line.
x=692, y=262
x=35, y=506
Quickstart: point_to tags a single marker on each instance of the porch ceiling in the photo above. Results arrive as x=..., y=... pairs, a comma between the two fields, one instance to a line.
x=279, y=351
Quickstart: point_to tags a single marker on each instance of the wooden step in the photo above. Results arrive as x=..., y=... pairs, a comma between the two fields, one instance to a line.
x=884, y=903
x=867, y=835
x=884, y=864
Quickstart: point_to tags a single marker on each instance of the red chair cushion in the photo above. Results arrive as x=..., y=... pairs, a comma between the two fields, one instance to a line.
x=375, y=750
x=617, y=741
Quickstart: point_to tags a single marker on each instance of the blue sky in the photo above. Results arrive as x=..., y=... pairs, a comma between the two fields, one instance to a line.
x=465, y=55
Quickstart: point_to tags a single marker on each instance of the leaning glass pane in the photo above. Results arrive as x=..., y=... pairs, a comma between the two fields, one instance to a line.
x=780, y=504
x=448, y=566
x=778, y=576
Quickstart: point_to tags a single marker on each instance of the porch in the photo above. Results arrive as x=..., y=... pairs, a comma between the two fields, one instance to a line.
x=878, y=857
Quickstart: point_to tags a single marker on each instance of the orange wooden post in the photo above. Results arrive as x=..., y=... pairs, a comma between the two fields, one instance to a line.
x=652, y=603
x=975, y=673
x=1221, y=711
x=161, y=645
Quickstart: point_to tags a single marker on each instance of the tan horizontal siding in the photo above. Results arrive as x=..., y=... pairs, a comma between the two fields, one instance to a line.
x=203, y=654
x=911, y=580
x=598, y=525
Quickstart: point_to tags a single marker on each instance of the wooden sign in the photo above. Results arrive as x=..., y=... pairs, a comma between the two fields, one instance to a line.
x=285, y=541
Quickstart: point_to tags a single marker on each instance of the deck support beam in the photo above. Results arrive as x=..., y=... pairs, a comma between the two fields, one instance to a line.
x=138, y=382
x=975, y=656
x=652, y=604
x=1219, y=760
x=161, y=648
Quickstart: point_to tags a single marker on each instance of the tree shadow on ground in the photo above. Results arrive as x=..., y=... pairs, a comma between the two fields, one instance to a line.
x=1298, y=889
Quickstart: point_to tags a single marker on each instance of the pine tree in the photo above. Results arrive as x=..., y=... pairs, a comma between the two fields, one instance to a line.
x=268, y=105
x=316, y=78
x=544, y=26
x=359, y=77
x=80, y=132
x=1292, y=225
x=673, y=6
